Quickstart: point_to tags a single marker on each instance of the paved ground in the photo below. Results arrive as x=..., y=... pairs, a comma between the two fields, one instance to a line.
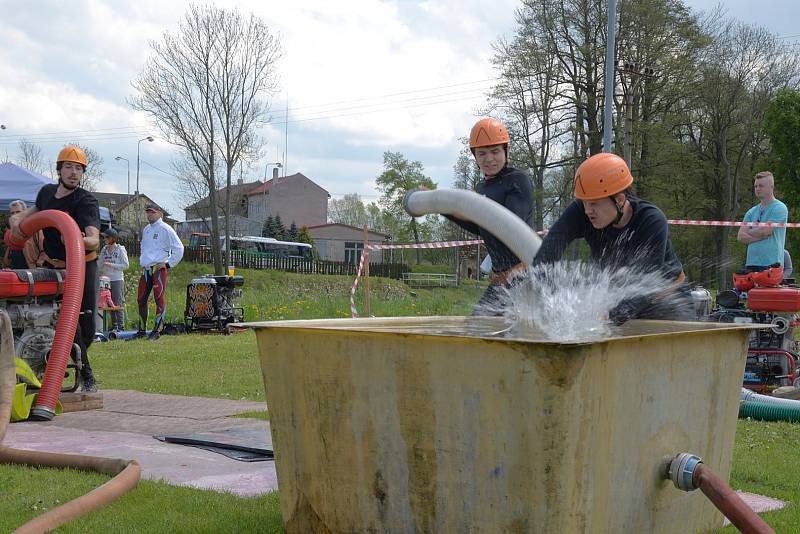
x=125, y=426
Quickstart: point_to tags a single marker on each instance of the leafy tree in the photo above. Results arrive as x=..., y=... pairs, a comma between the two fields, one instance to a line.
x=399, y=177
x=304, y=236
x=348, y=210
x=782, y=125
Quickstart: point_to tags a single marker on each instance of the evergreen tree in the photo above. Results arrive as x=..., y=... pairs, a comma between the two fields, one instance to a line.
x=268, y=229
x=305, y=237
x=293, y=234
x=279, y=229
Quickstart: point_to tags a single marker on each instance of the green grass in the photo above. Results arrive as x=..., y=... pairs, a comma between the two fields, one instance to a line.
x=198, y=365
x=765, y=462
x=220, y=366
x=273, y=295
x=153, y=507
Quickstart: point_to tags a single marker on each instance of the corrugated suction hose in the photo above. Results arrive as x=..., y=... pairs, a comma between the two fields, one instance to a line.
x=768, y=408
x=45, y=407
x=486, y=213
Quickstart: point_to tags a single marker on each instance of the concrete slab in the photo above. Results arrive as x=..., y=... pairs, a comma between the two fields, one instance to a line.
x=124, y=427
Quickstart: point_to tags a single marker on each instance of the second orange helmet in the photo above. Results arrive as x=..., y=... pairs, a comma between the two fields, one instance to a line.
x=602, y=175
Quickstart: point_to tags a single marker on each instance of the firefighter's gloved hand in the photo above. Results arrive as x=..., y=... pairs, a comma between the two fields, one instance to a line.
x=623, y=312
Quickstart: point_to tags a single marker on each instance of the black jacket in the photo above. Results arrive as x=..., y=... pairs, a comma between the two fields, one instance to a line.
x=512, y=189
x=643, y=242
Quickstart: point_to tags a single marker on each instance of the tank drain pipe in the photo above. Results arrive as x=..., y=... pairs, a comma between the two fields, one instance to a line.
x=486, y=213
x=688, y=473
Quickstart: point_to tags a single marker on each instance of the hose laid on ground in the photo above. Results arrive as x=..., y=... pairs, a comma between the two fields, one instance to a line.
x=45, y=406
x=486, y=213
x=688, y=473
x=762, y=411
x=126, y=473
x=767, y=408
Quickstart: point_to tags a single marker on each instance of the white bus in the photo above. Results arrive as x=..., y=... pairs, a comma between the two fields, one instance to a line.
x=269, y=247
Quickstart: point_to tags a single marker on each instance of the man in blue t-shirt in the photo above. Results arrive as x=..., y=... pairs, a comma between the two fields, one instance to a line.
x=764, y=243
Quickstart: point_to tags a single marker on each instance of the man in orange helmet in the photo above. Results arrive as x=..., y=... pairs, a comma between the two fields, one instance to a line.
x=620, y=229
x=82, y=206
x=509, y=187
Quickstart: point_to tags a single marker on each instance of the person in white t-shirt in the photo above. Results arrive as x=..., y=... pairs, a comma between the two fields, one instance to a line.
x=161, y=251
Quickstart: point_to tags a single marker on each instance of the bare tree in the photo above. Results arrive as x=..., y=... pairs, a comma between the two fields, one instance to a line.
x=30, y=156
x=203, y=88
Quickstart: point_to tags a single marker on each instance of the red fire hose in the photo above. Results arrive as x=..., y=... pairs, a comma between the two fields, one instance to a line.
x=45, y=406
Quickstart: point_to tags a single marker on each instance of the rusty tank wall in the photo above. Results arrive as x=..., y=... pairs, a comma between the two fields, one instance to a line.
x=411, y=425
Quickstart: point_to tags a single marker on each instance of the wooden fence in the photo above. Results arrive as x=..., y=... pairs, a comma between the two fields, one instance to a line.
x=247, y=260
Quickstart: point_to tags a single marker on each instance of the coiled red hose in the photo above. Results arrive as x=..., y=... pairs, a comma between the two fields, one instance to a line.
x=45, y=406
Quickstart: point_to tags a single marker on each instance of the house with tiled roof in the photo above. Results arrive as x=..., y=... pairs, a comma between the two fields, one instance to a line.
x=342, y=242
x=295, y=198
x=128, y=210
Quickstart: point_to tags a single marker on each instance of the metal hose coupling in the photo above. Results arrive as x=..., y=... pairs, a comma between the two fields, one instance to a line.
x=681, y=471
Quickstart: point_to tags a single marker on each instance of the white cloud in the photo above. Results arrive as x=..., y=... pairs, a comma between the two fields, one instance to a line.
x=68, y=66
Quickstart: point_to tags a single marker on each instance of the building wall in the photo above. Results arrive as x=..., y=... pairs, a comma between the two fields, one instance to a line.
x=295, y=199
x=132, y=215
x=330, y=242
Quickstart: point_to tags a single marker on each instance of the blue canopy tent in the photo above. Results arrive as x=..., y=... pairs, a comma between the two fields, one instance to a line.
x=18, y=183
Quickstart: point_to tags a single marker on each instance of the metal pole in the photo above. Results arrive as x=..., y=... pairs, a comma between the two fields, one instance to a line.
x=628, y=125
x=138, y=145
x=129, y=172
x=609, y=85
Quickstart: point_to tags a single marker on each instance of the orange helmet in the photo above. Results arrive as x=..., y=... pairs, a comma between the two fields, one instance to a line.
x=488, y=132
x=602, y=175
x=74, y=154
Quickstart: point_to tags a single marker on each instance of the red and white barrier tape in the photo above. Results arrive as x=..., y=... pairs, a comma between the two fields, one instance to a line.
x=692, y=222
x=440, y=244
x=370, y=246
x=353, y=310
x=450, y=244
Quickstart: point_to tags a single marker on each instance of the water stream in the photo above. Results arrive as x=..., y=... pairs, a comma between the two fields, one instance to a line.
x=571, y=301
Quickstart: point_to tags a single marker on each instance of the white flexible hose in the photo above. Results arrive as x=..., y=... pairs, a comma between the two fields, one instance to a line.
x=486, y=213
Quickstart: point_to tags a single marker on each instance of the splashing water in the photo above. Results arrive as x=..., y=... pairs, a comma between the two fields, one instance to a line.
x=571, y=300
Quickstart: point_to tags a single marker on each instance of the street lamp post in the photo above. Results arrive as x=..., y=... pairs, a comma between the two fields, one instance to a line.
x=139, y=144
x=129, y=172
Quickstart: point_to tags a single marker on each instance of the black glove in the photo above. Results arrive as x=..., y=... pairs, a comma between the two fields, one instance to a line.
x=626, y=310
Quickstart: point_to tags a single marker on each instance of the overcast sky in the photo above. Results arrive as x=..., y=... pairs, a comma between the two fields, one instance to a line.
x=360, y=77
